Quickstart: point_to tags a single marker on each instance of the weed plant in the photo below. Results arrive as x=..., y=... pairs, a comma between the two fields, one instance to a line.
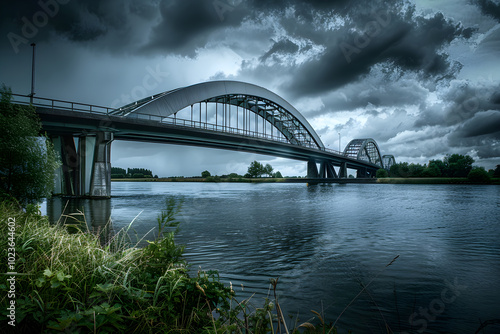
x=72, y=283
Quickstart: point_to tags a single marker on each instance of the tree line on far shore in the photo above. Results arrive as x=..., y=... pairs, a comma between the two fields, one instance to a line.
x=131, y=173
x=256, y=169
x=455, y=165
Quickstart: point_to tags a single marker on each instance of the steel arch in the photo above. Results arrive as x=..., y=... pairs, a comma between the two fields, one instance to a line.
x=266, y=104
x=364, y=149
x=388, y=160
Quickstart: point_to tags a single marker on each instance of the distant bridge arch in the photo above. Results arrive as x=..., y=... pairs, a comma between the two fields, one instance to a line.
x=388, y=160
x=364, y=149
x=262, y=102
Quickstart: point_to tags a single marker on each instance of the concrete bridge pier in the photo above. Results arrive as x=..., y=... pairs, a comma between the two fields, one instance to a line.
x=326, y=171
x=86, y=165
x=343, y=170
x=362, y=173
x=100, y=185
x=366, y=173
x=312, y=170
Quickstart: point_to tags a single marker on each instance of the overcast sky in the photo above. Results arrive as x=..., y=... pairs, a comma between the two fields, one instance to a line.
x=420, y=77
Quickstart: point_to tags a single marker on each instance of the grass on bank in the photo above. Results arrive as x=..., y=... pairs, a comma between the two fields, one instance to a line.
x=71, y=283
x=434, y=180
x=201, y=179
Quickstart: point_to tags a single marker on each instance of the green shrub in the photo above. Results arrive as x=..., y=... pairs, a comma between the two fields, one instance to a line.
x=72, y=283
x=381, y=173
x=478, y=175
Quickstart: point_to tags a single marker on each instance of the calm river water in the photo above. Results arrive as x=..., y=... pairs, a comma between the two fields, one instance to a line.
x=327, y=242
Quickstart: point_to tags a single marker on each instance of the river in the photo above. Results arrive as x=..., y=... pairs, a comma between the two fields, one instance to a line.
x=328, y=243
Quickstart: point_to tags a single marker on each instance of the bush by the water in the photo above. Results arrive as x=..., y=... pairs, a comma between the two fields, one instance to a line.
x=479, y=175
x=73, y=283
x=381, y=173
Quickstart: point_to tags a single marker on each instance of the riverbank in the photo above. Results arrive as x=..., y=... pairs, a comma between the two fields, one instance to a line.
x=207, y=179
x=433, y=180
x=390, y=180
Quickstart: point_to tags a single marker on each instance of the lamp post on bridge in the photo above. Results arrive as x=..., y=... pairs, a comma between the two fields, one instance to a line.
x=339, y=143
x=32, y=74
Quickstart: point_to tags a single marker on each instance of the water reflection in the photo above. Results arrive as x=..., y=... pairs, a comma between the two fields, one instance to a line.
x=84, y=214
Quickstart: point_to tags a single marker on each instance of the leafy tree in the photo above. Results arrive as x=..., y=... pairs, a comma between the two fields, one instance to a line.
x=205, y=174
x=432, y=170
x=27, y=162
x=478, y=174
x=496, y=173
x=118, y=173
x=278, y=175
x=458, y=165
x=400, y=169
x=145, y=172
x=256, y=169
x=437, y=167
x=381, y=173
x=416, y=170
x=268, y=169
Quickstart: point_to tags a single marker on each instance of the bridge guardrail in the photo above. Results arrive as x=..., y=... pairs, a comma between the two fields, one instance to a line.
x=89, y=108
x=209, y=126
x=59, y=104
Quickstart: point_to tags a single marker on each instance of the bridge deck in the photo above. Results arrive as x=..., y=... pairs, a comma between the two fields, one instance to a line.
x=65, y=122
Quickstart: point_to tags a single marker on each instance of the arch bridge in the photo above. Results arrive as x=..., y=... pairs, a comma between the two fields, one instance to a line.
x=218, y=114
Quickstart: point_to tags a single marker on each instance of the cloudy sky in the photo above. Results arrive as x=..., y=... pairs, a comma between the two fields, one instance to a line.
x=421, y=77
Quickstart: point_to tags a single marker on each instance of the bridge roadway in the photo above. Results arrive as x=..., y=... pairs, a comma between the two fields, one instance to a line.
x=62, y=122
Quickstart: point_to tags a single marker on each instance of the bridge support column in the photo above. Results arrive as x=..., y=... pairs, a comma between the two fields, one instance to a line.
x=86, y=152
x=326, y=171
x=86, y=171
x=312, y=170
x=100, y=185
x=362, y=173
x=343, y=170
x=70, y=161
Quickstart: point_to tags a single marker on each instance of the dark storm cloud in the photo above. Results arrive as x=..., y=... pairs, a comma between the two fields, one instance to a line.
x=484, y=123
x=481, y=133
x=186, y=25
x=489, y=8
x=378, y=92
x=460, y=102
x=401, y=40
x=468, y=99
x=284, y=46
x=82, y=21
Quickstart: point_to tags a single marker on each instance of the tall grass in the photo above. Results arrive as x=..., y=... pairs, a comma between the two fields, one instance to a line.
x=73, y=283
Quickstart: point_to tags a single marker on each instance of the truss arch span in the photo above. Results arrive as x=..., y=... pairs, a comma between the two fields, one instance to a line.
x=364, y=149
x=262, y=102
x=388, y=160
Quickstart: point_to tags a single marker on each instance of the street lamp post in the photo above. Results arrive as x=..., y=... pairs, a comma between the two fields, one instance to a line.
x=339, y=143
x=32, y=74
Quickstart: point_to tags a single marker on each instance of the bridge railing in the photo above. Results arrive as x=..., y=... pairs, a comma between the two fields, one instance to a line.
x=333, y=151
x=211, y=127
x=89, y=108
x=59, y=104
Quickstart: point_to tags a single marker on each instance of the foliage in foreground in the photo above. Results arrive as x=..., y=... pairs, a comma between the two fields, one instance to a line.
x=27, y=161
x=71, y=283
